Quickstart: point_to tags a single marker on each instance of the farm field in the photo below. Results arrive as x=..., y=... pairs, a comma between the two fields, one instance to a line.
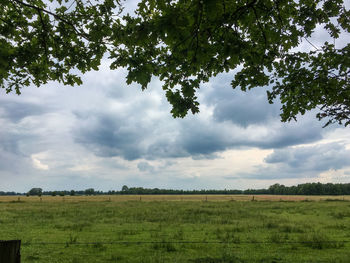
x=178, y=228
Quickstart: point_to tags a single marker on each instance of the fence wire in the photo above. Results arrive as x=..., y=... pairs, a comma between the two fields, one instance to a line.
x=184, y=242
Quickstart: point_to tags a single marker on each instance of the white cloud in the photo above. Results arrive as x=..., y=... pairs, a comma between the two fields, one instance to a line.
x=37, y=163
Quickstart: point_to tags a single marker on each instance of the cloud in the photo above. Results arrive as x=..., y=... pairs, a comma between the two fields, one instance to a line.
x=321, y=157
x=137, y=126
x=106, y=134
x=302, y=162
x=39, y=165
x=109, y=136
x=236, y=106
x=282, y=156
x=16, y=111
x=12, y=163
x=145, y=167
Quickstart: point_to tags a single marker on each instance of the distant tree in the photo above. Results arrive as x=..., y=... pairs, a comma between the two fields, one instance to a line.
x=125, y=188
x=35, y=191
x=275, y=189
x=90, y=191
x=53, y=193
x=72, y=192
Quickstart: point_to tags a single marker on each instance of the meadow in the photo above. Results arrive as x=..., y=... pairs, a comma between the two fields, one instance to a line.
x=197, y=229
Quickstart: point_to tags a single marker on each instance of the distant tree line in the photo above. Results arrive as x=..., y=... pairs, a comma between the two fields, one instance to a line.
x=154, y=191
x=276, y=189
x=89, y=191
x=10, y=193
x=310, y=189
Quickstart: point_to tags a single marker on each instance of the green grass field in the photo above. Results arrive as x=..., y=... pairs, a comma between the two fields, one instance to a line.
x=106, y=230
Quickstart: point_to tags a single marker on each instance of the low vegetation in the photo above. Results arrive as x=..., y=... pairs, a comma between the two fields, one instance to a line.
x=103, y=229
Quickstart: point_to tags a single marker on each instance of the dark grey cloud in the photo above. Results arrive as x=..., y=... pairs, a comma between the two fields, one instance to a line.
x=283, y=135
x=16, y=136
x=302, y=162
x=321, y=157
x=241, y=108
x=15, y=162
x=145, y=167
x=15, y=111
x=207, y=138
x=138, y=128
x=108, y=134
x=202, y=138
x=280, y=157
x=9, y=143
x=10, y=162
x=168, y=163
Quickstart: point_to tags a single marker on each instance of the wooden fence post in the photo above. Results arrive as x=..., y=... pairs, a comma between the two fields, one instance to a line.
x=10, y=251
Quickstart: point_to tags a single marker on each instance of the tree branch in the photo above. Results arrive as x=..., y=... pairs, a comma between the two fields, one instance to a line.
x=44, y=37
x=57, y=17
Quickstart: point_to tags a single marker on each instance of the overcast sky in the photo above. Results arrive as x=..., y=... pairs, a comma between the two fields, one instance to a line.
x=106, y=134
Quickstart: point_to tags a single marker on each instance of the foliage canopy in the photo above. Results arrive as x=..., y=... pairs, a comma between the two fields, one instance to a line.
x=35, y=191
x=184, y=43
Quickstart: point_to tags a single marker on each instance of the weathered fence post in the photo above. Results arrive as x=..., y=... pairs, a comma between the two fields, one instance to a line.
x=10, y=251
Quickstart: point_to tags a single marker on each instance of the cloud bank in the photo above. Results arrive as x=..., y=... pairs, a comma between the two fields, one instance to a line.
x=106, y=134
